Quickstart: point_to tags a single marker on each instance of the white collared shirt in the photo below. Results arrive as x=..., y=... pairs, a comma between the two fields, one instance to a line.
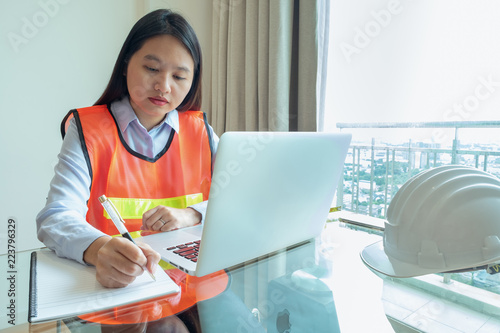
x=137, y=137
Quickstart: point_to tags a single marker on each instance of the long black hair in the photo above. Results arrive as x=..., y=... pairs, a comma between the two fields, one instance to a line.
x=158, y=22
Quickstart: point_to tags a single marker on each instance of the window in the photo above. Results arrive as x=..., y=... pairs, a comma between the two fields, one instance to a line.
x=417, y=83
x=414, y=61
x=403, y=68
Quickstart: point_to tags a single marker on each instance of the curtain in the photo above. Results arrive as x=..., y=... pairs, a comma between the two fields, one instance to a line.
x=268, y=64
x=268, y=74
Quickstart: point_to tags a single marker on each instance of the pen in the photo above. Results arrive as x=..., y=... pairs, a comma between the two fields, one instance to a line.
x=118, y=221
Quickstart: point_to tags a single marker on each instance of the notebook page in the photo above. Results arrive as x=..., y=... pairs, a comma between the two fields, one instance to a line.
x=66, y=288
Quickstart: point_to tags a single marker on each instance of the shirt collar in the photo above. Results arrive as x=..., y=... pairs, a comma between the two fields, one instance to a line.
x=124, y=114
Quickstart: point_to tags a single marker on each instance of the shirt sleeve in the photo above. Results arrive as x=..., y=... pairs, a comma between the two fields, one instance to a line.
x=202, y=206
x=61, y=224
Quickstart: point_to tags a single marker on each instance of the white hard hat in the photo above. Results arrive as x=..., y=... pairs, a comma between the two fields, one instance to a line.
x=441, y=220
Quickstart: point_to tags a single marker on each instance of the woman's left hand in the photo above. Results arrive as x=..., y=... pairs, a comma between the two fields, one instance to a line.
x=162, y=218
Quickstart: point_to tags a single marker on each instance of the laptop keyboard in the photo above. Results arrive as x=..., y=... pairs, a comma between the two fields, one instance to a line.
x=187, y=250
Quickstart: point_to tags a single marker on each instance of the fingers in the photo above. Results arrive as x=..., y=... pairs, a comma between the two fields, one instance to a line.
x=162, y=218
x=151, y=219
x=120, y=261
x=112, y=278
x=152, y=257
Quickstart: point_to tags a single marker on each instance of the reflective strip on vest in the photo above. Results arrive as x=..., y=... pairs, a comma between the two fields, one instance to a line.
x=132, y=208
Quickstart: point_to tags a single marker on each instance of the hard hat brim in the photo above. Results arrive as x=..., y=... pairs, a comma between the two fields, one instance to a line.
x=375, y=258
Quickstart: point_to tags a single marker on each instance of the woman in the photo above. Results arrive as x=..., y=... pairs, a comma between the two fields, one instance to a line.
x=139, y=145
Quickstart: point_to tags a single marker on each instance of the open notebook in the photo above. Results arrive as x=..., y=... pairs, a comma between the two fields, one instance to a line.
x=61, y=288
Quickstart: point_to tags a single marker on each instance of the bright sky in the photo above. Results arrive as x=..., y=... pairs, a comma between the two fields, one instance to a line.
x=414, y=61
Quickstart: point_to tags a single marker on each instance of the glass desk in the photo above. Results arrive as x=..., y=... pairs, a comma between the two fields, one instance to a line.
x=318, y=286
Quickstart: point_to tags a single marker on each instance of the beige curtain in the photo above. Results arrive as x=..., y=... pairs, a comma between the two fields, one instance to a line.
x=268, y=64
x=268, y=68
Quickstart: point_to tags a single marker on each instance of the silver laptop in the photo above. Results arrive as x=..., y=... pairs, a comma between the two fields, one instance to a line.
x=270, y=190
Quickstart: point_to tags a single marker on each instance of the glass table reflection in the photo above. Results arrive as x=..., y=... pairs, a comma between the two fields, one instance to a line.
x=318, y=286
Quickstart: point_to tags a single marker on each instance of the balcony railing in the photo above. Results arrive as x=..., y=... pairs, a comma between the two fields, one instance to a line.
x=373, y=173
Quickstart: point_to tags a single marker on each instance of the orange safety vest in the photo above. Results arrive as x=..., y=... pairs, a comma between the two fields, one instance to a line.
x=179, y=176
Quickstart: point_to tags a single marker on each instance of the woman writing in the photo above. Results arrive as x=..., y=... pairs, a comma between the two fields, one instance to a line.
x=142, y=146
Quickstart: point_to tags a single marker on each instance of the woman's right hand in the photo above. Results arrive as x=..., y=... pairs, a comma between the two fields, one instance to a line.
x=118, y=261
